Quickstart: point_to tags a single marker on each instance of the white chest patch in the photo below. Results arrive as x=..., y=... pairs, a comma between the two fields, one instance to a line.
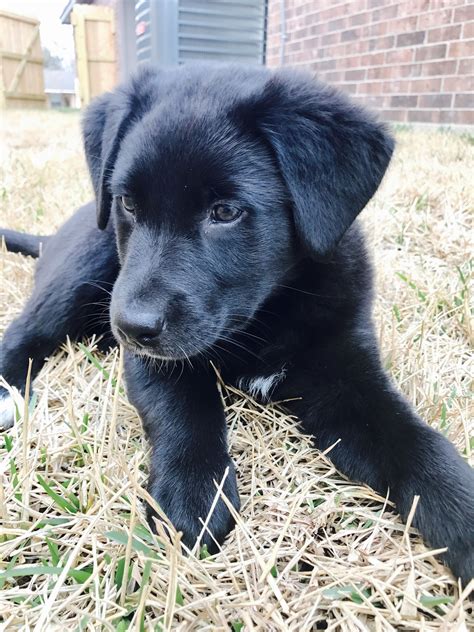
x=261, y=387
x=7, y=411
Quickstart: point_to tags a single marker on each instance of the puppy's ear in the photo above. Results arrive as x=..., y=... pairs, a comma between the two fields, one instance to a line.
x=106, y=121
x=103, y=127
x=331, y=154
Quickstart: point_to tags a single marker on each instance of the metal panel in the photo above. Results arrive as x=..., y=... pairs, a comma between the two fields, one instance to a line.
x=127, y=50
x=171, y=32
x=143, y=30
x=221, y=30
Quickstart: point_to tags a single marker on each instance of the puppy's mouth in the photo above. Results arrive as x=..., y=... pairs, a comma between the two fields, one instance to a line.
x=146, y=352
x=185, y=346
x=141, y=350
x=171, y=353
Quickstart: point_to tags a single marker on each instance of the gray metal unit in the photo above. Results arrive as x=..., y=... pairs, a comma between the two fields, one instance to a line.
x=143, y=14
x=127, y=50
x=172, y=32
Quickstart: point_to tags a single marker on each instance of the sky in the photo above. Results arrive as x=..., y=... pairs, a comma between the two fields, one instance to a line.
x=57, y=37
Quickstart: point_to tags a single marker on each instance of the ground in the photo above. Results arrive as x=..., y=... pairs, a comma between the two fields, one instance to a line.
x=311, y=550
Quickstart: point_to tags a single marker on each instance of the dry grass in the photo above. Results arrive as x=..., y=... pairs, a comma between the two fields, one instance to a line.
x=311, y=550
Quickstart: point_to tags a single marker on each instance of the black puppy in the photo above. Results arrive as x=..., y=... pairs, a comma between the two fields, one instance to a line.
x=233, y=193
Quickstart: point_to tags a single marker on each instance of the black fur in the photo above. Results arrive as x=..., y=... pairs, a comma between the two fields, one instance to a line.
x=285, y=289
x=31, y=245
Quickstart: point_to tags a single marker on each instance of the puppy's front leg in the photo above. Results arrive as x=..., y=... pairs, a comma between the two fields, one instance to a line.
x=183, y=417
x=346, y=397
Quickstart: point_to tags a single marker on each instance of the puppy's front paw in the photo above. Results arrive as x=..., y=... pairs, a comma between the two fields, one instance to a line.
x=445, y=512
x=7, y=410
x=186, y=495
x=461, y=560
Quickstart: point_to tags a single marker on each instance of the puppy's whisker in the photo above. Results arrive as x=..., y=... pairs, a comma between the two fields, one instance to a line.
x=244, y=333
x=99, y=287
x=297, y=289
x=228, y=340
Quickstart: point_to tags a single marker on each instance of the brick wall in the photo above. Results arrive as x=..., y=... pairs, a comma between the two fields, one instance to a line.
x=413, y=60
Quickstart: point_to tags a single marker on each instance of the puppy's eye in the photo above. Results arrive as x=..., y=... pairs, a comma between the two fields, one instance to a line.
x=225, y=213
x=128, y=203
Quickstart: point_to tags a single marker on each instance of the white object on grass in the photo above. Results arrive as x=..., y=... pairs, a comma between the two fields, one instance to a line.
x=7, y=411
x=262, y=387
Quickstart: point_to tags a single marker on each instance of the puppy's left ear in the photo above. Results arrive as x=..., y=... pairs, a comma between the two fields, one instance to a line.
x=103, y=127
x=106, y=122
x=331, y=154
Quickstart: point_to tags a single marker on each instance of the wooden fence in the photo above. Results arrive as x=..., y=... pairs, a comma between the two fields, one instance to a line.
x=94, y=38
x=21, y=62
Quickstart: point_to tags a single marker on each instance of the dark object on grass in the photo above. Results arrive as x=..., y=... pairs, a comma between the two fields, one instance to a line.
x=233, y=193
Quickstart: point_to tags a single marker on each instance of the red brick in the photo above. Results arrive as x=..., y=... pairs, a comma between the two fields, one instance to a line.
x=399, y=56
x=330, y=38
x=359, y=18
x=396, y=87
x=434, y=68
x=435, y=100
x=438, y=51
x=362, y=46
x=458, y=84
x=461, y=49
x=429, y=84
x=409, y=70
x=404, y=101
x=406, y=24
x=317, y=29
x=399, y=116
x=408, y=58
x=335, y=76
x=374, y=102
x=293, y=46
x=464, y=101
x=299, y=33
x=351, y=62
x=350, y=35
x=351, y=88
x=375, y=30
x=445, y=33
x=328, y=64
x=312, y=44
x=381, y=43
x=431, y=19
x=457, y=117
x=382, y=72
x=465, y=117
x=466, y=67
x=337, y=25
x=371, y=87
x=464, y=14
x=467, y=30
x=355, y=75
x=372, y=59
x=423, y=116
x=418, y=6
x=410, y=39
x=333, y=52
x=387, y=12
x=356, y=5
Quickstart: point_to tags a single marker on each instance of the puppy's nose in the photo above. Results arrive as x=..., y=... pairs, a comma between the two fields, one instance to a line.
x=141, y=329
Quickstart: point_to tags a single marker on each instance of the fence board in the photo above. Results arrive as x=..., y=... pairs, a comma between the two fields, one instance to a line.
x=96, y=60
x=21, y=62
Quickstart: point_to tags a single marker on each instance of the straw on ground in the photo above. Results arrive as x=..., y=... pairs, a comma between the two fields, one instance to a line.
x=311, y=549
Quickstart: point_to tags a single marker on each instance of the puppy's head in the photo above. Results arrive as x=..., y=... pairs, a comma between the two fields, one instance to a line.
x=219, y=179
